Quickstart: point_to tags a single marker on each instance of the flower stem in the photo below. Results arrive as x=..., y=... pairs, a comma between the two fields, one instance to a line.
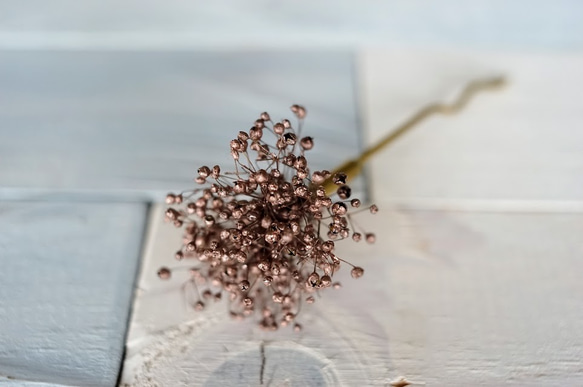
x=353, y=167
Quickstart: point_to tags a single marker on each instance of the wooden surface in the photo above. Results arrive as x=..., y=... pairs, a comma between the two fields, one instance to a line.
x=233, y=25
x=135, y=125
x=510, y=148
x=68, y=272
x=476, y=298
x=168, y=341
x=448, y=298
x=474, y=280
x=105, y=130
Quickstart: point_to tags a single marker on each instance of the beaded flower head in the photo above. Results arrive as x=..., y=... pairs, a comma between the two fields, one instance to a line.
x=264, y=234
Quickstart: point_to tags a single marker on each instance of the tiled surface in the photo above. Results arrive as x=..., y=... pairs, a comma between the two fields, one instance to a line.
x=68, y=272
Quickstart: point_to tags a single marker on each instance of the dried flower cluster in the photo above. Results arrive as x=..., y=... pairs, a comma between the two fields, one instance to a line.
x=256, y=233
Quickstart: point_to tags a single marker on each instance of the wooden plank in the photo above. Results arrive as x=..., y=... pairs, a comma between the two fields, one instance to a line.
x=138, y=124
x=448, y=298
x=452, y=297
x=168, y=342
x=230, y=24
x=477, y=298
x=518, y=146
x=67, y=281
x=21, y=383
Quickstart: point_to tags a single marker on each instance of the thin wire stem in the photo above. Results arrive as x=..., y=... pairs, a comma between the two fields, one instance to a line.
x=353, y=167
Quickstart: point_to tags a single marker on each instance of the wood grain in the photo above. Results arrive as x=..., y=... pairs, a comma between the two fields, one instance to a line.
x=518, y=146
x=67, y=278
x=477, y=298
x=169, y=341
x=474, y=278
x=231, y=25
x=136, y=125
x=482, y=291
x=448, y=298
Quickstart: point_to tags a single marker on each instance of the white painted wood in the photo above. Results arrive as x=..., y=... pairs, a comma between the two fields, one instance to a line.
x=448, y=298
x=67, y=281
x=477, y=298
x=472, y=298
x=168, y=342
x=484, y=291
x=21, y=383
x=520, y=144
x=175, y=24
x=138, y=124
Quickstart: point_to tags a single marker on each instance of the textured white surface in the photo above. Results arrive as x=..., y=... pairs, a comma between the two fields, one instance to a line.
x=168, y=342
x=477, y=298
x=139, y=124
x=480, y=287
x=111, y=126
x=448, y=298
x=517, y=147
x=176, y=24
x=74, y=105
x=68, y=272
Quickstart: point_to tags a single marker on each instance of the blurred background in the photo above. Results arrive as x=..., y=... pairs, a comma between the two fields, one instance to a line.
x=105, y=106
